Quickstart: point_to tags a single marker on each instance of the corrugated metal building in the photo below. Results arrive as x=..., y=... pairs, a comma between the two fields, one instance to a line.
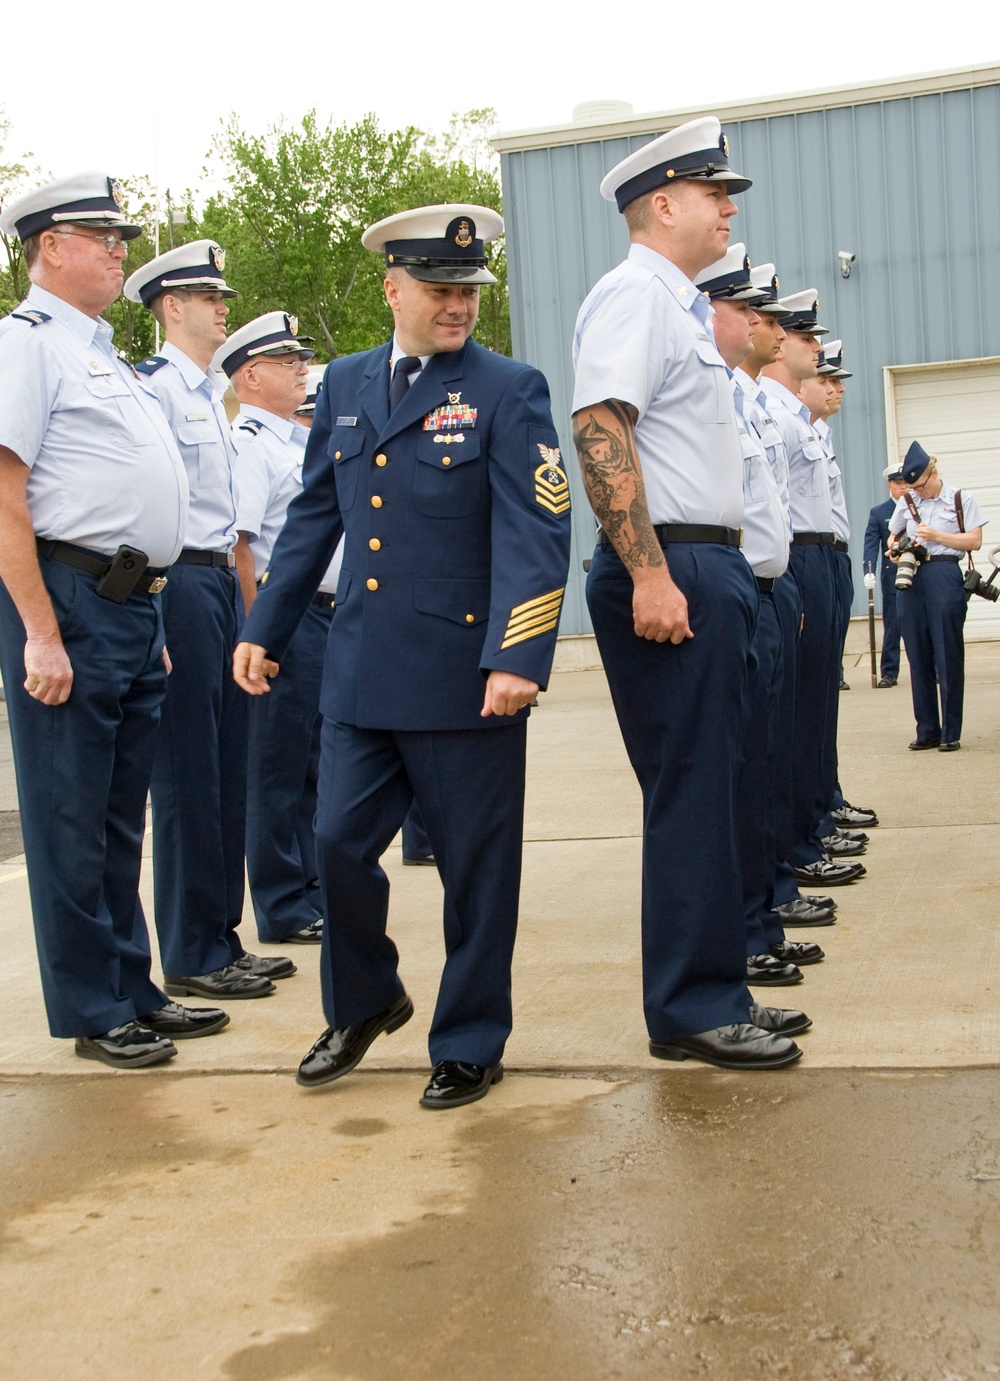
x=903, y=175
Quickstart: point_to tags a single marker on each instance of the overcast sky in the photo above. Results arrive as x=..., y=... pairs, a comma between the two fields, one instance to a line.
x=143, y=89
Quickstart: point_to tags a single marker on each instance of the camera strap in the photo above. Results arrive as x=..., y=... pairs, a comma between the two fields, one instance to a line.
x=960, y=515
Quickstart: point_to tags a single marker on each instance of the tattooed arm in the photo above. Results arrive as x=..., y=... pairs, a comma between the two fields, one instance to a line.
x=604, y=434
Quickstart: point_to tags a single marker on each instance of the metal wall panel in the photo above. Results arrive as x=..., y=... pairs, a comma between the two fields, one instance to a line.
x=910, y=186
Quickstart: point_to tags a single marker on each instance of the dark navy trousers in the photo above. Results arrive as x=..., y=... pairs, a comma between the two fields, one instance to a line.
x=844, y=597
x=415, y=841
x=282, y=781
x=819, y=665
x=83, y=771
x=758, y=781
x=469, y=786
x=200, y=776
x=931, y=618
x=889, y=661
x=681, y=713
x=788, y=606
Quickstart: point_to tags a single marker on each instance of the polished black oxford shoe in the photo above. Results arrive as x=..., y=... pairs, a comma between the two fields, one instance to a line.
x=338, y=1052
x=126, y=1047
x=454, y=1083
x=851, y=816
x=797, y=952
x=764, y=971
x=828, y=902
x=949, y=746
x=801, y=912
x=265, y=968
x=919, y=744
x=885, y=682
x=830, y=872
x=840, y=846
x=231, y=982
x=184, y=1023
x=780, y=1021
x=308, y=935
x=424, y=861
x=742, y=1046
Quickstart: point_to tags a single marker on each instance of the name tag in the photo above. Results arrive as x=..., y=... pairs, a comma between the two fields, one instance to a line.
x=196, y=417
x=99, y=371
x=347, y=422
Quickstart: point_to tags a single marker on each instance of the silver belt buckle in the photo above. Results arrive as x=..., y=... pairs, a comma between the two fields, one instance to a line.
x=157, y=584
x=739, y=534
x=231, y=558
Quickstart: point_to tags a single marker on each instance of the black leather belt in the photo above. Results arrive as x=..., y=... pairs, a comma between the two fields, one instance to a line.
x=839, y=544
x=323, y=599
x=151, y=582
x=190, y=556
x=814, y=539
x=689, y=532
x=765, y=584
x=940, y=556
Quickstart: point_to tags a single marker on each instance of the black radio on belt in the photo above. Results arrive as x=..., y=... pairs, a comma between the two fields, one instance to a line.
x=122, y=575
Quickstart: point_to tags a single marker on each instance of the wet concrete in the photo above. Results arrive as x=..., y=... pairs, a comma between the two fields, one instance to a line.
x=816, y=1224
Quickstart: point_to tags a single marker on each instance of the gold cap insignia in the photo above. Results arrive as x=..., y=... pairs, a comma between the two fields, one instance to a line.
x=463, y=239
x=293, y=324
x=725, y=146
x=218, y=258
x=117, y=192
x=777, y=285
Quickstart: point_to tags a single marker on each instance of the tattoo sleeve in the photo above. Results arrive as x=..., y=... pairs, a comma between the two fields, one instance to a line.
x=604, y=436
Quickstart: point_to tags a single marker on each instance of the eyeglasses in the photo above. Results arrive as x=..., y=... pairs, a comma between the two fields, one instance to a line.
x=110, y=242
x=285, y=364
x=923, y=483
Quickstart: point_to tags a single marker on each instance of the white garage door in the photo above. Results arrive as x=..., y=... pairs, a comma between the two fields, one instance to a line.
x=953, y=410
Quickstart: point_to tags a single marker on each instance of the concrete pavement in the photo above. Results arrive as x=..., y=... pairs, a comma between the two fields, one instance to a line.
x=600, y=1213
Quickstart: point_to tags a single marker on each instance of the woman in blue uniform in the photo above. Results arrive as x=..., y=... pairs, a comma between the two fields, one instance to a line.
x=948, y=523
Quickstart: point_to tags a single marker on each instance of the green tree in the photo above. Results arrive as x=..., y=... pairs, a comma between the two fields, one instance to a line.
x=15, y=178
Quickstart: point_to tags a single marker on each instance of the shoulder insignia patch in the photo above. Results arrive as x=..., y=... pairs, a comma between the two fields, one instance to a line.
x=151, y=365
x=533, y=618
x=31, y=315
x=251, y=425
x=551, y=484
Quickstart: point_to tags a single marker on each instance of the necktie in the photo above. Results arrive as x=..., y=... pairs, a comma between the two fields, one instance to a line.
x=400, y=385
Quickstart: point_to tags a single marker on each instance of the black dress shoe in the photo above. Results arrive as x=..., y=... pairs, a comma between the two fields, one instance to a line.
x=455, y=1083
x=780, y=1021
x=829, y=872
x=184, y=1023
x=820, y=901
x=426, y=861
x=851, y=817
x=886, y=682
x=764, y=971
x=126, y=1047
x=858, y=836
x=843, y=846
x=919, y=744
x=231, y=982
x=843, y=684
x=949, y=746
x=797, y=952
x=802, y=912
x=265, y=968
x=308, y=935
x=742, y=1046
x=338, y=1052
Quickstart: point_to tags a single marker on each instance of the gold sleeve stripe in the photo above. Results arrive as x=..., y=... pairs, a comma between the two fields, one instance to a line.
x=546, y=608
x=523, y=625
x=539, y=599
x=511, y=639
x=555, y=508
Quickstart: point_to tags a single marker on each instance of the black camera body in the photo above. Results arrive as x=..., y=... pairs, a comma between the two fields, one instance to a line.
x=976, y=585
x=910, y=554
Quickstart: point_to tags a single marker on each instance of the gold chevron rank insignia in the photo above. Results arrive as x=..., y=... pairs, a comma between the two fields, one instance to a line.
x=551, y=484
x=533, y=618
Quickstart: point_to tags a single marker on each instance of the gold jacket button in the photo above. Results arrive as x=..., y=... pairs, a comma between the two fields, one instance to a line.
x=381, y=459
x=336, y=455
x=372, y=584
x=375, y=544
x=470, y=618
x=376, y=501
x=446, y=460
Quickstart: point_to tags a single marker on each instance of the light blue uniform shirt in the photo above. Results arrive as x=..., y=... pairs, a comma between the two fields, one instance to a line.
x=765, y=517
x=838, y=499
x=192, y=401
x=939, y=513
x=104, y=469
x=808, y=480
x=644, y=336
x=755, y=410
x=269, y=454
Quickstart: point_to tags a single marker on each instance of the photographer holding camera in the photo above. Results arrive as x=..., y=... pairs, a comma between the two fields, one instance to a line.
x=932, y=526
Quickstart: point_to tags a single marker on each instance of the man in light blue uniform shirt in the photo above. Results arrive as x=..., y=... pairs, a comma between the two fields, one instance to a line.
x=266, y=361
x=672, y=599
x=947, y=523
x=812, y=561
x=93, y=505
x=199, y=776
x=772, y=961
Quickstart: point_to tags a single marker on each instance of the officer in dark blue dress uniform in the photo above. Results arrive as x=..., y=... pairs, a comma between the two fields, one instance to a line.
x=876, y=562
x=93, y=508
x=439, y=461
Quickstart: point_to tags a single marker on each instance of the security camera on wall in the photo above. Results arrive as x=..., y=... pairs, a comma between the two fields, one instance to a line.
x=846, y=258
